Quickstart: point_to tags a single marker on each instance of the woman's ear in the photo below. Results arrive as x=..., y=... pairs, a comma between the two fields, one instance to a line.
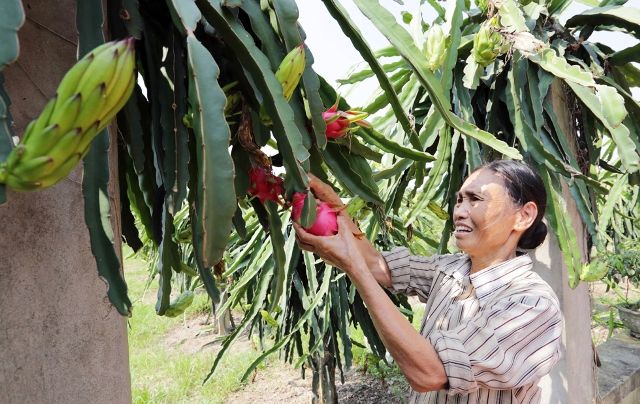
x=526, y=216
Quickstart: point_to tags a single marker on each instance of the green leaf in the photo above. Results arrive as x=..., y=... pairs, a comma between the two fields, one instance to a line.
x=626, y=18
x=355, y=147
x=187, y=14
x=352, y=171
x=287, y=15
x=613, y=197
x=133, y=23
x=527, y=125
x=137, y=202
x=175, y=136
x=401, y=39
x=279, y=256
x=561, y=223
x=578, y=189
x=438, y=8
x=180, y=304
x=215, y=193
x=168, y=261
x=557, y=6
x=377, y=139
x=612, y=103
x=317, y=300
x=270, y=43
x=256, y=304
x=436, y=176
x=141, y=172
x=358, y=41
x=590, y=3
x=558, y=66
x=285, y=131
x=620, y=134
x=511, y=17
x=463, y=97
x=127, y=220
x=95, y=182
x=630, y=73
x=627, y=55
x=452, y=28
x=400, y=80
x=472, y=72
x=130, y=122
x=363, y=74
x=11, y=19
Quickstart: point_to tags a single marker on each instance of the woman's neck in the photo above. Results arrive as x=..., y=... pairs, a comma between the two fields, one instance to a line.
x=480, y=262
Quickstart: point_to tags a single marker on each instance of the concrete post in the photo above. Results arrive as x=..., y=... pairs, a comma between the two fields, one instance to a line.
x=61, y=341
x=573, y=380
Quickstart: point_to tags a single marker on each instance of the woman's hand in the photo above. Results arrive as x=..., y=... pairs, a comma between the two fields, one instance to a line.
x=349, y=245
x=340, y=250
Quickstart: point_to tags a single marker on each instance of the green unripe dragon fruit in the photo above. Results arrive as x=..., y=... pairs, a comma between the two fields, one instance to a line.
x=87, y=99
x=488, y=43
x=435, y=47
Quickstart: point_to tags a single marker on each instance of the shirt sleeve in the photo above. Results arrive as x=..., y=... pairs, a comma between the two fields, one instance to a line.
x=411, y=275
x=512, y=344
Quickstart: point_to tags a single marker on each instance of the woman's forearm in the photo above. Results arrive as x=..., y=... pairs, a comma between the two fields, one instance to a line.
x=378, y=268
x=415, y=356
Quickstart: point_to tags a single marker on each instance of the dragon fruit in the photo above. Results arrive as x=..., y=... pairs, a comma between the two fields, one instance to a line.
x=339, y=122
x=264, y=185
x=326, y=223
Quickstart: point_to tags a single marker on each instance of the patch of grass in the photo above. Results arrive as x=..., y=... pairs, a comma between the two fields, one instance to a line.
x=162, y=373
x=377, y=367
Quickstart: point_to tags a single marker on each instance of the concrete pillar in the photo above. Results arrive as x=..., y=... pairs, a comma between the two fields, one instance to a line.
x=61, y=341
x=573, y=380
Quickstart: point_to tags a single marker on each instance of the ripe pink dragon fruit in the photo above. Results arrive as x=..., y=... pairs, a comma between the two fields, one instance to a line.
x=264, y=185
x=326, y=223
x=339, y=122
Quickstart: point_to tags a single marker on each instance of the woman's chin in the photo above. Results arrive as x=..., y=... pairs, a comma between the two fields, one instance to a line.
x=463, y=243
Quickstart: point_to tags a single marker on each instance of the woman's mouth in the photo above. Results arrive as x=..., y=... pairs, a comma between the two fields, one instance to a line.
x=461, y=229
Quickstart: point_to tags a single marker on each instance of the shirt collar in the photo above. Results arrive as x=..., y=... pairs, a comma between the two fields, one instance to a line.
x=458, y=268
x=494, y=278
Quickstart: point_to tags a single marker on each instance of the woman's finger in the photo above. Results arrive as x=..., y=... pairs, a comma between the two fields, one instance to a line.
x=303, y=235
x=324, y=192
x=305, y=246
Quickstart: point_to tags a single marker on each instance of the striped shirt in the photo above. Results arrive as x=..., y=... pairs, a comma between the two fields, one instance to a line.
x=496, y=331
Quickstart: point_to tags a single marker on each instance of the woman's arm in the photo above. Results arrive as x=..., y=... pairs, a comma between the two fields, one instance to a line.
x=415, y=356
x=374, y=260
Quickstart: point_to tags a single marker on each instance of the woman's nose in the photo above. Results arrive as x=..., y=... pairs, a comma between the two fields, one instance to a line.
x=460, y=211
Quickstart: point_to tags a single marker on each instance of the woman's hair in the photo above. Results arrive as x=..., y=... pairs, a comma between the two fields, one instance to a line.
x=524, y=185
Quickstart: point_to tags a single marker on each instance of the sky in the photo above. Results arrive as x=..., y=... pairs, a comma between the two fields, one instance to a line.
x=335, y=55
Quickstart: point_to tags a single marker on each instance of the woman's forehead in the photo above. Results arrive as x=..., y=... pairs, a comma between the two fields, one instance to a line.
x=483, y=180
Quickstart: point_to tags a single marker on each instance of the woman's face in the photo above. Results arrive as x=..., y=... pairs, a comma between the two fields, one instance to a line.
x=485, y=217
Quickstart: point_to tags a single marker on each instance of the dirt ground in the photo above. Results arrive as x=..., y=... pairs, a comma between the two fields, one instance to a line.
x=280, y=382
x=283, y=384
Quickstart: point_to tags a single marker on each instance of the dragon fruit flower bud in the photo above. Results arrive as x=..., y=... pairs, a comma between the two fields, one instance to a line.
x=435, y=47
x=339, y=123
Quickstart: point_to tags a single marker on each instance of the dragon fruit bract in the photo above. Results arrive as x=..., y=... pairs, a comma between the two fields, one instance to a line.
x=265, y=185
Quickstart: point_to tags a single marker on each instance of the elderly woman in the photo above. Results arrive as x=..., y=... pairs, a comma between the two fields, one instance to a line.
x=492, y=326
